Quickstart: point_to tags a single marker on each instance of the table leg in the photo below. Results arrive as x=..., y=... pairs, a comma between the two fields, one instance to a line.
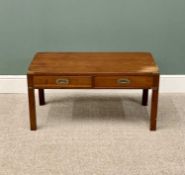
x=154, y=108
x=32, y=110
x=145, y=97
x=41, y=97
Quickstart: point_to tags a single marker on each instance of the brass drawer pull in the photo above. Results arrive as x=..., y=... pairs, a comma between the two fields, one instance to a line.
x=62, y=81
x=123, y=81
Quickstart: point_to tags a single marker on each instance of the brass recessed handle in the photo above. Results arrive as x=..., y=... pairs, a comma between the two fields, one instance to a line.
x=123, y=81
x=62, y=81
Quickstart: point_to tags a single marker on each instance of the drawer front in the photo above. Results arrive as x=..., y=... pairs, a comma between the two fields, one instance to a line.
x=62, y=81
x=123, y=82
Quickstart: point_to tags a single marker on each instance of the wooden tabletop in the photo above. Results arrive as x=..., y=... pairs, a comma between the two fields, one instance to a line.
x=89, y=63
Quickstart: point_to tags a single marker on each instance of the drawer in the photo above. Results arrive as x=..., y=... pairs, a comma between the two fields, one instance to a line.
x=123, y=82
x=62, y=81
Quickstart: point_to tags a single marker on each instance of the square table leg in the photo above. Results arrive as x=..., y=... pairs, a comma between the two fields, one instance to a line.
x=154, y=104
x=145, y=97
x=32, y=110
x=41, y=97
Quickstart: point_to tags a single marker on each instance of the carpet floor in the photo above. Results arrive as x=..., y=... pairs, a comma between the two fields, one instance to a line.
x=92, y=133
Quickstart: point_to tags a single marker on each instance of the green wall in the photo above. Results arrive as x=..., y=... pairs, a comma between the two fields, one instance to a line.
x=28, y=26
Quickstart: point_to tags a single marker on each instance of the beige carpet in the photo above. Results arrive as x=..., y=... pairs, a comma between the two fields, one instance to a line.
x=92, y=133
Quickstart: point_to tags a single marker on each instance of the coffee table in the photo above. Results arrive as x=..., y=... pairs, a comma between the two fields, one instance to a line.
x=93, y=70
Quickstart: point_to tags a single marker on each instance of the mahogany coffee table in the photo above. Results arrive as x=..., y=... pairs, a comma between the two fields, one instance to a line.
x=93, y=70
